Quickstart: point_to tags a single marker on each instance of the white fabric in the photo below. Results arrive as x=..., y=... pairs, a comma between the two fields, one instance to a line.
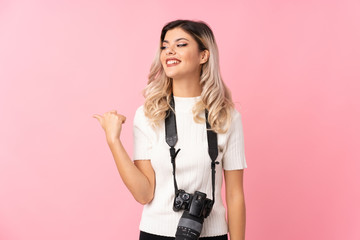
x=193, y=169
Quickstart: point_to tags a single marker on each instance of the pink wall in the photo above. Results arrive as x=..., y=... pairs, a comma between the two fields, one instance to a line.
x=293, y=67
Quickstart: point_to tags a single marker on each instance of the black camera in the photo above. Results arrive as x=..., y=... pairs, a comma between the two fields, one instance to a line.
x=196, y=207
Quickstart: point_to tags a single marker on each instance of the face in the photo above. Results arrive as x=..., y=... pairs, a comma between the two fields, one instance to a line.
x=180, y=54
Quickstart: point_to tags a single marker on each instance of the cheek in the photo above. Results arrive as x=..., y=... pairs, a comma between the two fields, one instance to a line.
x=162, y=60
x=162, y=57
x=193, y=56
x=193, y=60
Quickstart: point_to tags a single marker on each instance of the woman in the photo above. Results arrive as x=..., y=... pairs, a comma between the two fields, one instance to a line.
x=185, y=69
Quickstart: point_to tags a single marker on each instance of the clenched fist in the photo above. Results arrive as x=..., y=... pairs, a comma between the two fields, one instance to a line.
x=111, y=122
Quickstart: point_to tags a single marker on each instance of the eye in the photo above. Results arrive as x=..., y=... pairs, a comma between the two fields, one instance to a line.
x=178, y=45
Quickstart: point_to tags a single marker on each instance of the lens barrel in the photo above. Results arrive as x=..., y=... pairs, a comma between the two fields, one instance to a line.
x=189, y=227
x=196, y=207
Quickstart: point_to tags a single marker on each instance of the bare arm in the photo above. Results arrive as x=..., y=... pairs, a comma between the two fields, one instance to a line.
x=235, y=201
x=139, y=177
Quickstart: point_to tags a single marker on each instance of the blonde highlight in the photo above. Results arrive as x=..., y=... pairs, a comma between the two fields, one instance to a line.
x=215, y=95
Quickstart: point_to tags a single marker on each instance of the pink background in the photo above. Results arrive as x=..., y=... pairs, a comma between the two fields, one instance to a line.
x=293, y=67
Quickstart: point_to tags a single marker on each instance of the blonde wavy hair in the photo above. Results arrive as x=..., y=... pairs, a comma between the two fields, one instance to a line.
x=215, y=95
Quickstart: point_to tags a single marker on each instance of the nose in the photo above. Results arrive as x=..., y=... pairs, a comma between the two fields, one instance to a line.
x=169, y=50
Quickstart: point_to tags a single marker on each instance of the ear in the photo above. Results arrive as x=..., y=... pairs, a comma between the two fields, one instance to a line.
x=204, y=56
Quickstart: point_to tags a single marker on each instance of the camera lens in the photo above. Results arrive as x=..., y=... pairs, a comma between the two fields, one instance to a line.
x=189, y=227
x=185, y=196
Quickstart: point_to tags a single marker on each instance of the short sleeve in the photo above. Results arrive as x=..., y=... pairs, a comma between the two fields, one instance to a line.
x=142, y=143
x=234, y=150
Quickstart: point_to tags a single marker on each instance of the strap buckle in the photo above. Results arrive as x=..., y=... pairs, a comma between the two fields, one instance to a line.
x=213, y=164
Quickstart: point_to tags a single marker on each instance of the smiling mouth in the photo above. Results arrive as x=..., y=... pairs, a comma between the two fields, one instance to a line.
x=171, y=63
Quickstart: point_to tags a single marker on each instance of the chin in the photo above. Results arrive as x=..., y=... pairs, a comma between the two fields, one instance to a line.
x=170, y=74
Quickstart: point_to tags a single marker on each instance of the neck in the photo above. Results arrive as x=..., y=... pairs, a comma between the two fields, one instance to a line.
x=187, y=87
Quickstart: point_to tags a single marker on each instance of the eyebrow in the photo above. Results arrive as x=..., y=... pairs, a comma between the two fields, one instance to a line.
x=176, y=40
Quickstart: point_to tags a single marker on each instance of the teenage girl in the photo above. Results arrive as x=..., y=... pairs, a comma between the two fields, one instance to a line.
x=185, y=69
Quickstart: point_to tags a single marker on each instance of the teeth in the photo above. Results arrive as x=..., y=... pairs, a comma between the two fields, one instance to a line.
x=172, y=61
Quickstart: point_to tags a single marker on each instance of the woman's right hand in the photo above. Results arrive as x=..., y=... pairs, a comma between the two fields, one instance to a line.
x=111, y=122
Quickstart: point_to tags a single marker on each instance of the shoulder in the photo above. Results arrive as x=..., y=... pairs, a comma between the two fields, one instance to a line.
x=235, y=114
x=139, y=118
x=140, y=115
x=140, y=110
x=235, y=119
x=233, y=127
x=141, y=121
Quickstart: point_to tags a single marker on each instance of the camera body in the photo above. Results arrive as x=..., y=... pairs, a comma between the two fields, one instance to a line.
x=196, y=207
x=197, y=204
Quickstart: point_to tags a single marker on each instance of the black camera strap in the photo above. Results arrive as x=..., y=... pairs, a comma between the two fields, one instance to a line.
x=171, y=139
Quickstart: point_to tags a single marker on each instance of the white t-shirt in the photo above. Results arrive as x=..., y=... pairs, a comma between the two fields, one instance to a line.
x=193, y=168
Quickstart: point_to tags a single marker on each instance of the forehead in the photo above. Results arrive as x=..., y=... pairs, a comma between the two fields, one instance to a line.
x=175, y=34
